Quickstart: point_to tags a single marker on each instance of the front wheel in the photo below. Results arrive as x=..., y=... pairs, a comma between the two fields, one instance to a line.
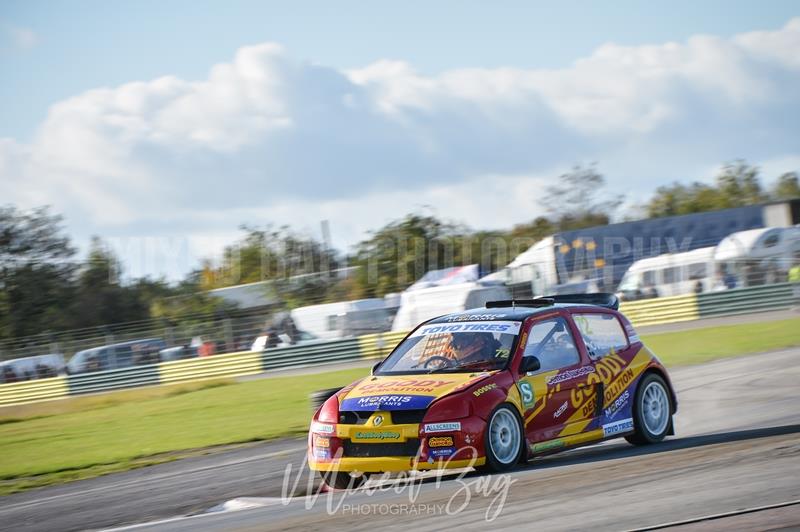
x=502, y=440
x=341, y=480
x=652, y=411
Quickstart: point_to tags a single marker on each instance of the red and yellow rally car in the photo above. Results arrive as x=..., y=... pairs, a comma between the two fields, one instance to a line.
x=491, y=387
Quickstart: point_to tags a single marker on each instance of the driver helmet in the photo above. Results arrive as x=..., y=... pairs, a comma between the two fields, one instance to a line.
x=473, y=345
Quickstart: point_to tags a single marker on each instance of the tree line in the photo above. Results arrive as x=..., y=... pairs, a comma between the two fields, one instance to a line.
x=46, y=287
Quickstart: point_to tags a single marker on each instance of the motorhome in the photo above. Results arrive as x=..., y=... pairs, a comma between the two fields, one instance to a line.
x=419, y=305
x=346, y=318
x=758, y=256
x=671, y=274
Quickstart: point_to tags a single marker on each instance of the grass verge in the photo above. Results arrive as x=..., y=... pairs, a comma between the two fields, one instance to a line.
x=83, y=437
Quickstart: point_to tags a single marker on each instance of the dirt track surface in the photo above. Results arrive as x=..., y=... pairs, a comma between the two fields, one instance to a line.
x=737, y=446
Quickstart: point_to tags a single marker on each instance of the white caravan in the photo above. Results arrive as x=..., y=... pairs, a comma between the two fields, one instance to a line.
x=671, y=274
x=346, y=318
x=758, y=256
x=419, y=305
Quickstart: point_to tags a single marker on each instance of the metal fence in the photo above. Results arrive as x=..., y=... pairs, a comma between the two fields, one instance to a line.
x=372, y=346
x=229, y=333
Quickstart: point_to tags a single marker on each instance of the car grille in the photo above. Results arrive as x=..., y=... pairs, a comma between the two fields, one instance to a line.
x=367, y=450
x=350, y=417
x=402, y=417
x=399, y=417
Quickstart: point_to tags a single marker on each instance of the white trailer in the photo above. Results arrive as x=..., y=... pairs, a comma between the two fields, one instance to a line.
x=419, y=305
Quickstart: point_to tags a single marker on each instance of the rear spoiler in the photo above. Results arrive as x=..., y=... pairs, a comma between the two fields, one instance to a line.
x=599, y=300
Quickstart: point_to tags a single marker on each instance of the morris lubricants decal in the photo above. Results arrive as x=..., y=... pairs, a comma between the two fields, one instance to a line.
x=372, y=403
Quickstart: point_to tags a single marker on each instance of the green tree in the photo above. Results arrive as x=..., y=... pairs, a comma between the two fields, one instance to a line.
x=100, y=297
x=36, y=261
x=299, y=269
x=577, y=199
x=738, y=184
x=787, y=187
x=396, y=255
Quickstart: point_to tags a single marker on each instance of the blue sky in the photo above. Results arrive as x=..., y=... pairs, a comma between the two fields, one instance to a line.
x=94, y=43
x=164, y=126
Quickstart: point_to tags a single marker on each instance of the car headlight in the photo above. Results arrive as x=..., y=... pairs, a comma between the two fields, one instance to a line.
x=451, y=407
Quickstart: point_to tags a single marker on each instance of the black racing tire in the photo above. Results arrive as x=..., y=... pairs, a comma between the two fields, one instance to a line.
x=341, y=480
x=652, y=411
x=503, y=440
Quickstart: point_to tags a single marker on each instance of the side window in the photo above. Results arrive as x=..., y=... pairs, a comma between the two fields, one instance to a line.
x=552, y=343
x=602, y=334
x=649, y=278
x=122, y=356
x=697, y=271
x=671, y=275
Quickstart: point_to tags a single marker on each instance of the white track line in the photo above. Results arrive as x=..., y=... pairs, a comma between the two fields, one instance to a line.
x=717, y=516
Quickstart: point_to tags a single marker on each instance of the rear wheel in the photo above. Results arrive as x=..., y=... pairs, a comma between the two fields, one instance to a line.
x=502, y=440
x=341, y=480
x=652, y=411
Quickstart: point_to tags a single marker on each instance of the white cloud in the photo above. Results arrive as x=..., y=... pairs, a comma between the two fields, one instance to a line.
x=268, y=137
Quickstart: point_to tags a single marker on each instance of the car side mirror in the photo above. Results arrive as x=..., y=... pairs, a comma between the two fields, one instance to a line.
x=530, y=364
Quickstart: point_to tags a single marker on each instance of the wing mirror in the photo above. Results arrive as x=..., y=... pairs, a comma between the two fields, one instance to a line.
x=530, y=364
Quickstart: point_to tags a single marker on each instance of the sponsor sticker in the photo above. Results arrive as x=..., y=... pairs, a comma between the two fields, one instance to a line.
x=526, y=391
x=560, y=410
x=321, y=441
x=503, y=327
x=323, y=428
x=413, y=386
x=453, y=426
x=443, y=452
x=376, y=435
x=547, y=446
x=387, y=402
x=475, y=317
x=322, y=453
x=617, y=405
x=569, y=375
x=483, y=389
x=617, y=427
x=440, y=441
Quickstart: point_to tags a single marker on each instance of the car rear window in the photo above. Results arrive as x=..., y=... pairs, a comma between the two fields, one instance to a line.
x=602, y=333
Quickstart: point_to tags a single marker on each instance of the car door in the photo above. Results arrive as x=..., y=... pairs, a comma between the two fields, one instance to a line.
x=559, y=400
x=617, y=360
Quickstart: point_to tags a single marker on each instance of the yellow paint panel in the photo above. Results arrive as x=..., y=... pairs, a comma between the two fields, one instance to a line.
x=213, y=367
x=379, y=345
x=18, y=393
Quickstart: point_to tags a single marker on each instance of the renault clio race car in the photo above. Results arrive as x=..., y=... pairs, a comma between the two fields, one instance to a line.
x=491, y=387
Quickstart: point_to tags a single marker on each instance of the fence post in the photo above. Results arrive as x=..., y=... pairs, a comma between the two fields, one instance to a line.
x=228, y=331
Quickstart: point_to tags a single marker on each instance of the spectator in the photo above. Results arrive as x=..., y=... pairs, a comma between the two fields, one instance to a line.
x=9, y=375
x=794, y=278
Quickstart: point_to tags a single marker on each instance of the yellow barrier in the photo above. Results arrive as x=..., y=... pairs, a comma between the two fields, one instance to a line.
x=379, y=345
x=213, y=367
x=661, y=310
x=18, y=393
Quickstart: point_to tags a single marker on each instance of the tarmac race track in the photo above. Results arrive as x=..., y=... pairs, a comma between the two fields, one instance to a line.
x=735, y=461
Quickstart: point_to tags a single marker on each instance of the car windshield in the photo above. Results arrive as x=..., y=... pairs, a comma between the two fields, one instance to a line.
x=453, y=347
